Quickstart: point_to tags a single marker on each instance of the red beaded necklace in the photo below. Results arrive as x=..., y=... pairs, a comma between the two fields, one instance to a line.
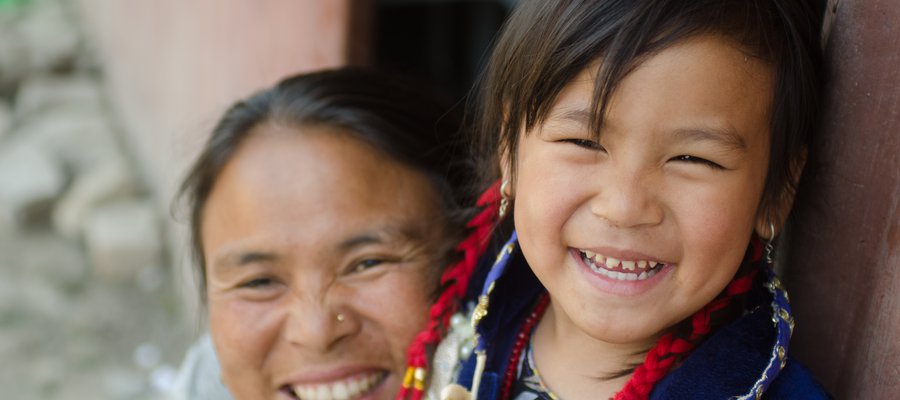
x=525, y=332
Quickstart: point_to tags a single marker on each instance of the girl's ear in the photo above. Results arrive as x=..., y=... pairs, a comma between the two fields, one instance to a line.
x=777, y=211
x=506, y=173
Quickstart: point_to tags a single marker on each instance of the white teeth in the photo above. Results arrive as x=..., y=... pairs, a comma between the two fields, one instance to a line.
x=339, y=392
x=322, y=393
x=611, y=262
x=603, y=265
x=354, y=386
x=346, y=389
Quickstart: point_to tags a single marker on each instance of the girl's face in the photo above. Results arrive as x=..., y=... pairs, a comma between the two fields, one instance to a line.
x=304, y=227
x=638, y=231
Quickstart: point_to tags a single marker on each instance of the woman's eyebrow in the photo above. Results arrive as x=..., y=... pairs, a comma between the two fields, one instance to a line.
x=726, y=137
x=379, y=236
x=240, y=258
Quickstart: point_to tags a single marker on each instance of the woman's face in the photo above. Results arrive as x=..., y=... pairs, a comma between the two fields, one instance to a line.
x=321, y=254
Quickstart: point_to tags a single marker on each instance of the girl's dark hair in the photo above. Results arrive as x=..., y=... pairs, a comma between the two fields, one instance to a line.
x=405, y=120
x=546, y=43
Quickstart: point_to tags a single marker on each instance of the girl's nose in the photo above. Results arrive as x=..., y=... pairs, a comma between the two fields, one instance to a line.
x=320, y=327
x=626, y=200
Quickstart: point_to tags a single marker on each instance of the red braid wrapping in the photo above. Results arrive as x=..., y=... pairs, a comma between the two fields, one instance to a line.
x=669, y=349
x=454, y=280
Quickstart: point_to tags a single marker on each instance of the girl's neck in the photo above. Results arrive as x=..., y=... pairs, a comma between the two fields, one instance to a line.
x=577, y=366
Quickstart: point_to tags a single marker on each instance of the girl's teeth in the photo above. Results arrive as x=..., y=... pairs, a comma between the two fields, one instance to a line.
x=603, y=265
x=611, y=262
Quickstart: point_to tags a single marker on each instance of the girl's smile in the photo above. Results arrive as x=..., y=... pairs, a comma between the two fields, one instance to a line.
x=622, y=275
x=634, y=230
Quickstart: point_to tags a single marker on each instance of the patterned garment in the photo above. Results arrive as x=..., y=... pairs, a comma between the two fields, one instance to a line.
x=528, y=384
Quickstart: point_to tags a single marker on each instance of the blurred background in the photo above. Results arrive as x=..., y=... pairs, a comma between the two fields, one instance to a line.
x=103, y=104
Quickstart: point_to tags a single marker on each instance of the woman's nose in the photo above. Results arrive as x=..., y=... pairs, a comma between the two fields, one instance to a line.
x=319, y=327
x=626, y=199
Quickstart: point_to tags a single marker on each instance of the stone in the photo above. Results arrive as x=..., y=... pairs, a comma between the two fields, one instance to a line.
x=122, y=238
x=49, y=35
x=104, y=182
x=6, y=119
x=30, y=181
x=14, y=55
x=44, y=91
x=77, y=136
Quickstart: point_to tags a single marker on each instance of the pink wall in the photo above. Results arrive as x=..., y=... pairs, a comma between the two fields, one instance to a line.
x=173, y=66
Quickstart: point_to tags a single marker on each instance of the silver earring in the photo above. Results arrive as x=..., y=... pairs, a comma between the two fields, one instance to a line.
x=770, y=246
x=504, y=199
x=340, y=317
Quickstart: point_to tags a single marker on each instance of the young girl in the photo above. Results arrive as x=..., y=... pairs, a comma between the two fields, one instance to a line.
x=649, y=152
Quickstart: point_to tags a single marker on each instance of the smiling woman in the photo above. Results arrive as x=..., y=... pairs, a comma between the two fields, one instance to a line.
x=323, y=211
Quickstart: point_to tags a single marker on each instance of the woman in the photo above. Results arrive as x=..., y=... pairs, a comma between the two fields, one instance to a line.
x=322, y=212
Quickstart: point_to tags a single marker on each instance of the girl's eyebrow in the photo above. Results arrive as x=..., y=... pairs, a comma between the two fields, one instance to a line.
x=577, y=115
x=726, y=137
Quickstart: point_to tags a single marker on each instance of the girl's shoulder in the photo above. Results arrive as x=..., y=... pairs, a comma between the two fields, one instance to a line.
x=737, y=361
x=796, y=382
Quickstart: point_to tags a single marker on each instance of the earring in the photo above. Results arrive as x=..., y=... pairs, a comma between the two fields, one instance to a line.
x=504, y=199
x=770, y=246
x=340, y=317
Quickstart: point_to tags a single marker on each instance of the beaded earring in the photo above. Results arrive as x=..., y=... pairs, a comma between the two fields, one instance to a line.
x=770, y=244
x=504, y=199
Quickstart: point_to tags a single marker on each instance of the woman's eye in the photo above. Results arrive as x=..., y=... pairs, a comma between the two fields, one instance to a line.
x=258, y=283
x=697, y=160
x=367, y=264
x=584, y=143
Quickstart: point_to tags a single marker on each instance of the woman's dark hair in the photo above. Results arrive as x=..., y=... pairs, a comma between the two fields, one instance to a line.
x=546, y=43
x=405, y=120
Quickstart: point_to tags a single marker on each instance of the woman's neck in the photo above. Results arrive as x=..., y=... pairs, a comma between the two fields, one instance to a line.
x=577, y=366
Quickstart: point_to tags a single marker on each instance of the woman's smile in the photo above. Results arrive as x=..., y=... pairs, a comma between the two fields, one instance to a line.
x=337, y=385
x=321, y=264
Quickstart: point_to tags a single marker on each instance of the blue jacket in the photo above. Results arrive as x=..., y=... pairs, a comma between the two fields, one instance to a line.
x=736, y=361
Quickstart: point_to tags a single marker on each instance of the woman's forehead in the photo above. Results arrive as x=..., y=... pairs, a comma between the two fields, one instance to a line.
x=318, y=186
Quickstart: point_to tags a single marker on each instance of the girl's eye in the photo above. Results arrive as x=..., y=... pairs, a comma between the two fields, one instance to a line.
x=584, y=143
x=697, y=160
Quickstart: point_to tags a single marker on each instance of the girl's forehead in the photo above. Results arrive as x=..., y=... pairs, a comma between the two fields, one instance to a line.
x=710, y=62
x=705, y=85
